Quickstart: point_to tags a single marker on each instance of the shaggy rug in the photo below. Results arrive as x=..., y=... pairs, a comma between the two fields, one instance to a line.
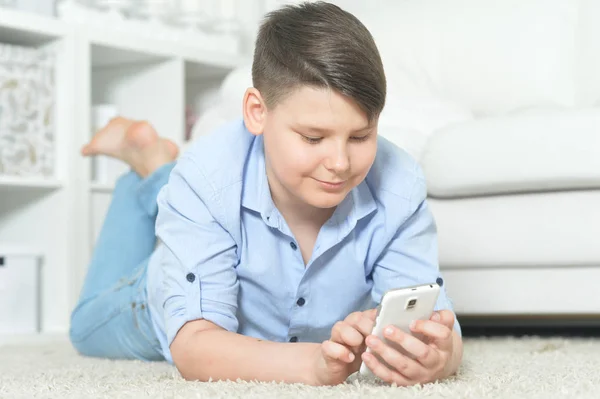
x=529, y=368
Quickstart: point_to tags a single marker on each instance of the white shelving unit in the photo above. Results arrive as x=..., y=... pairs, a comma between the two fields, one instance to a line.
x=146, y=79
x=12, y=183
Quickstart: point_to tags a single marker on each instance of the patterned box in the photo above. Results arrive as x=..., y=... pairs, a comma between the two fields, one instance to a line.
x=27, y=99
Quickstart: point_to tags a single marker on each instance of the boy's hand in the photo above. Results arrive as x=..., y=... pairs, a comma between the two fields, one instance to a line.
x=432, y=360
x=340, y=356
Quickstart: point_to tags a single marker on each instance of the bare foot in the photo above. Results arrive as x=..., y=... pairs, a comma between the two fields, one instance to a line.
x=109, y=139
x=133, y=142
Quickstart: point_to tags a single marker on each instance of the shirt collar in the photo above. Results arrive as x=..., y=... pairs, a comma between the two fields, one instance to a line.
x=358, y=204
x=256, y=195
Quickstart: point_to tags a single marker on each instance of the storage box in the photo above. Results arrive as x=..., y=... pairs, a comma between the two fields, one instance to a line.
x=27, y=97
x=19, y=291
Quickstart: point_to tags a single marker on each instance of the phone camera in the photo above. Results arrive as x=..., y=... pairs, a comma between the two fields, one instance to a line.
x=411, y=303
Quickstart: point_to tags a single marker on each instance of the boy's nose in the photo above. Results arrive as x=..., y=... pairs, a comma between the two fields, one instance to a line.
x=338, y=162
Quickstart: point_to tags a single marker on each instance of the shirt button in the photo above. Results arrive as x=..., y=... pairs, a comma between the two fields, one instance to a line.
x=190, y=277
x=294, y=339
x=293, y=245
x=439, y=281
x=300, y=302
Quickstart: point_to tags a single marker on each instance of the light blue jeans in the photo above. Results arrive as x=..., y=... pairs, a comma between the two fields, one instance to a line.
x=112, y=319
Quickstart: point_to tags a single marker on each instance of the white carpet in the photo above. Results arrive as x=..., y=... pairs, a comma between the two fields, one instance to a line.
x=493, y=368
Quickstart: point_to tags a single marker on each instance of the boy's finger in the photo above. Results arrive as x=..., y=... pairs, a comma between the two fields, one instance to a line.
x=415, y=348
x=448, y=318
x=383, y=372
x=364, y=325
x=441, y=334
x=344, y=333
x=335, y=351
x=445, y=317
x=412, y=365
x=371, y=314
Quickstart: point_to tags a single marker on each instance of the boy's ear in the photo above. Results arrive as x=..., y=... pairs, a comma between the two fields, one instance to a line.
x=255, y=111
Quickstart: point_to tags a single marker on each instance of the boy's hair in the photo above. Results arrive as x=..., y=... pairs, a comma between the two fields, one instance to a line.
x=320, y=45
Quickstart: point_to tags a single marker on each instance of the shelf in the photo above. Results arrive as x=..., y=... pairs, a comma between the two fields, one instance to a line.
x=109, y=56
x=29, y=183
x=12, y=249
x=102, y=187
x=26, y=29
x=147, y=77
x=115, y=48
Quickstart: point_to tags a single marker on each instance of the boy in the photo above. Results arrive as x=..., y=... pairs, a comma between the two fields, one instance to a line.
x=275, y=233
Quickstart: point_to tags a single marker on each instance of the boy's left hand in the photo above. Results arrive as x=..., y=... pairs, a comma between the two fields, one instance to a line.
x=432, y=360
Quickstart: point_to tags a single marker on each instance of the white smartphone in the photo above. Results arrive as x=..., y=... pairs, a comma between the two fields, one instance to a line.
x=399, y=307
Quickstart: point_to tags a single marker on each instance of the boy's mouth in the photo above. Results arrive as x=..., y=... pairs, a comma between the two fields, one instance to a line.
x=334, y=186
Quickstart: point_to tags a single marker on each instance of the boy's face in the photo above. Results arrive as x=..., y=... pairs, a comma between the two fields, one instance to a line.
x=318, y=146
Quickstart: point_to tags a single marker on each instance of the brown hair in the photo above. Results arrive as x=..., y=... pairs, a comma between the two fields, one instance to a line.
x=320, y=45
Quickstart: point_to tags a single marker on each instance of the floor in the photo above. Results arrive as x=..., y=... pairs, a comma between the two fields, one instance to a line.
x=498, y=367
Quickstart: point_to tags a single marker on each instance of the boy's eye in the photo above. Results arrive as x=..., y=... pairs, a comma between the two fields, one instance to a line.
x=312, y=140
x=316, y=140
x=361, y=138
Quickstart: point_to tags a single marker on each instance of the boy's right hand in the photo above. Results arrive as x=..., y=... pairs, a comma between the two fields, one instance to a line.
x=340, y=356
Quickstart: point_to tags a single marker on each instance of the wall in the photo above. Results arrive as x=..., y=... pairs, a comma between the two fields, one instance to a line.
x=250, y=13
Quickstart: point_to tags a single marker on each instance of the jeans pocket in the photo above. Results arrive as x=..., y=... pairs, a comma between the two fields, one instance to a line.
x=124, y=332
x=91, y=315
x=93, y=312
x=142, y=322
x=116, y=323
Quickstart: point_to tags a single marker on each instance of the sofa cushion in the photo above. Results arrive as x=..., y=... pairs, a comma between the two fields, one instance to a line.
x=525, y=153
x=558, y=229
x=408, y=121
x=588, y=53
x=492, y=56
x=423, y=113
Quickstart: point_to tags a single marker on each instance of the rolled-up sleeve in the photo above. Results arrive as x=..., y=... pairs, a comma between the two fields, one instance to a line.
x=199, y=256
x=411, y=257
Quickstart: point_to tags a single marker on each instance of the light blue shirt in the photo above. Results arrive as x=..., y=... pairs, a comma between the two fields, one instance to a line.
x=226, y=254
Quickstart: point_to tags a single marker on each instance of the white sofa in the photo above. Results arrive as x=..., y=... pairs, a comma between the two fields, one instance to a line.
x=515, y=185
x=500, y=103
